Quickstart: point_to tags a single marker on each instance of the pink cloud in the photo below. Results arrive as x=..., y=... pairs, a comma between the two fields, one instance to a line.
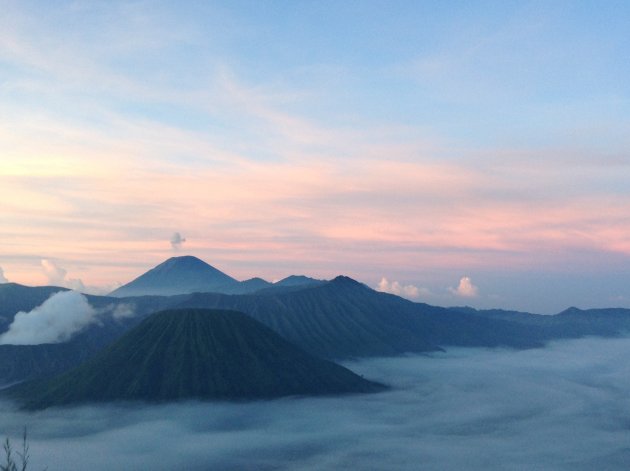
x=406, y=291
x=465, y=288
x=372, y=190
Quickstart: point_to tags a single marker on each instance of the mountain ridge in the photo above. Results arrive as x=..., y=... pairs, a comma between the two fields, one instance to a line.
x=188, y=274
x=194, y=354
x=177, y=275
x=337, y=319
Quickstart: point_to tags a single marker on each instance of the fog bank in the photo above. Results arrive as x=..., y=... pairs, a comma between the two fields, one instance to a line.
x=566, y=407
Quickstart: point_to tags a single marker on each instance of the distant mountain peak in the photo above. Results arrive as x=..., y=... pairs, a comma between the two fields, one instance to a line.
x=343, y=280
x=257, y=279
x=298, y=280
x=177, y=275
x=294, y=278
x=183, y=259
x=571, y=310
x=183, y=262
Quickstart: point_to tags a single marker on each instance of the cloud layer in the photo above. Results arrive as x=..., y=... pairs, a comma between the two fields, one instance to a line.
x=565, y=407
x=60, y=317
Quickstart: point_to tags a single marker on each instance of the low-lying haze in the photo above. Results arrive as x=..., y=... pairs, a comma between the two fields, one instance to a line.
x=565, y=407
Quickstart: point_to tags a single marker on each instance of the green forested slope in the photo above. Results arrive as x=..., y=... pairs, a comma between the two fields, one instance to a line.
x=194, y=353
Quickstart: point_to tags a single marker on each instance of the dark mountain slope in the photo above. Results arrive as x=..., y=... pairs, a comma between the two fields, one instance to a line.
x=336, y=319
x=247, y=286
x=194, y=353
x=571, y=323
x=325, y=321
x=343, y=318
x=23, y=362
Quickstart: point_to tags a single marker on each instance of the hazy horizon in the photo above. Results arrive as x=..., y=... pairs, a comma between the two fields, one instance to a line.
x=463, y=294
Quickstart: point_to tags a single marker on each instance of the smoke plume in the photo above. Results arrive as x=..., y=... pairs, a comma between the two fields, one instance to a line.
x=58, y=276
x=56, y=320
x=177, y=240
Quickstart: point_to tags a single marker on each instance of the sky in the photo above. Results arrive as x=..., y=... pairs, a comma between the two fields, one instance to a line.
x=456, y=153
x=563, y=407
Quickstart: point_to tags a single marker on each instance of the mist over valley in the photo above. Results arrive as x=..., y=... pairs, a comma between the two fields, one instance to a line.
x=564, y=407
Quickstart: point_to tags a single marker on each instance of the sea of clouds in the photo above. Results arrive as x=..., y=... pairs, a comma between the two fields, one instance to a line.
x=565, y=407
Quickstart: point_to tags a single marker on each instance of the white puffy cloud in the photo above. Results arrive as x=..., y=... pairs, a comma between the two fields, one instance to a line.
x=56, y=320
x=177, y=240
x=58, y=276
x=3, y=279
x=465, y=289
x=394, y=287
